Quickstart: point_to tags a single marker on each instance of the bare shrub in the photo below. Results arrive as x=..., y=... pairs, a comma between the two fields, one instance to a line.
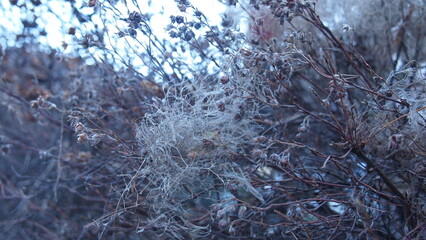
x=307, y=125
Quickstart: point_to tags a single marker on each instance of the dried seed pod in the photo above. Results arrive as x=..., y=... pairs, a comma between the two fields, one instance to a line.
x=71, y=31
x=40, y=100
x=192, y=155
x=78, y=128
x=82, y=137
x=132, y=32
x=34, y=104
x=274, y=157
x=92, y=3
x=224, y=79
x=135, y=17
x=221, y=106
x=395, y=141
x=179, y=19
x=197, y=25
x=5, y=149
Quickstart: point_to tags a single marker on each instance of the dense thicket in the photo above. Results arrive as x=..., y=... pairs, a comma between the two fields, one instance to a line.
x=288, y=120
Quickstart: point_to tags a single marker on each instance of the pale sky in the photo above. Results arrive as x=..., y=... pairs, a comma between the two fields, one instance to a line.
x=57, y=25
